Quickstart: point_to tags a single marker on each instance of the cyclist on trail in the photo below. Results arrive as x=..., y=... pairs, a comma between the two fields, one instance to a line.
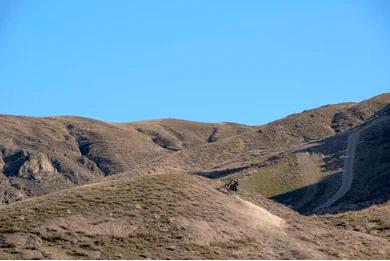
x=233, y=185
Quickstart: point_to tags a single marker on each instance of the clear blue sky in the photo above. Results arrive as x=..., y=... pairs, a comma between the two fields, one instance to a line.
x=219, y=60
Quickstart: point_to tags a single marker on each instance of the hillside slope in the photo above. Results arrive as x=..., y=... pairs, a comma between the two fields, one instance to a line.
x=373, y=220
x=306, y=177
x=42, y=155
x=169, y=216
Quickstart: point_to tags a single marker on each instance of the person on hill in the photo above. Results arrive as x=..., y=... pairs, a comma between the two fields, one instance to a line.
x=233, y=186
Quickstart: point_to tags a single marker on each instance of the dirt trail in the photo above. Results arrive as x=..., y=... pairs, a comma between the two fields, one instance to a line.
x=347, y=176
x=259, y=217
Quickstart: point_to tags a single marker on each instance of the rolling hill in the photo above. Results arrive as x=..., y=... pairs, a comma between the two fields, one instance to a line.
x=42, y=155
x=72, y=187
x=170, y=216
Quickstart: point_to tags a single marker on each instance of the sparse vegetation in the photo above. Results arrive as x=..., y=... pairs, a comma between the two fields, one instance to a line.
x=163, y=216
x=77, y=188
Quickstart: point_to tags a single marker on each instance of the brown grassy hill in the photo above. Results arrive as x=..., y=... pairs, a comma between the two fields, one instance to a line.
x=371, y=179
x=170, y=216
x=373, y=220
x=130, y=212
x=306, y=177
x=42, y=155
x=201, y=146
x=321, y=122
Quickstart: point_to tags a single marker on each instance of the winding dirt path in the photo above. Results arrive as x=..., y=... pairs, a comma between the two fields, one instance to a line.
x=347, y=175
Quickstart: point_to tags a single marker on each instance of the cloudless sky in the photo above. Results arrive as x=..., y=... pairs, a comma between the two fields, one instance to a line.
x=205, y=60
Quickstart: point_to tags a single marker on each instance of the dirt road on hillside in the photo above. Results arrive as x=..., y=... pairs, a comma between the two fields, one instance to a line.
x=347, y=175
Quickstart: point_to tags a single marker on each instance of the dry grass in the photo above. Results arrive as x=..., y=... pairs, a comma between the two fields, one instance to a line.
x=141, y=215
x=166, y=216
x=373, y=220
x=274, y=179
x=85, y=151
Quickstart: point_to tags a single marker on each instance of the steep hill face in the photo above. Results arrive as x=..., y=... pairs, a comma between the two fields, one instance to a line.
x=169, y=216
x=42, y=155
x=371, y=183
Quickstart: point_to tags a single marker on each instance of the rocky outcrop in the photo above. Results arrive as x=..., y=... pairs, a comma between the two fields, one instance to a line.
x=89, y=164
x=35, y=163
x=352, y=117
x=213, y=136
x=159, y=140
x=13, y=160
x=12, y=195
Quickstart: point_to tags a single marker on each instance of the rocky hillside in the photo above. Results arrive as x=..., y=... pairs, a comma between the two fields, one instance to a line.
x=41, y=155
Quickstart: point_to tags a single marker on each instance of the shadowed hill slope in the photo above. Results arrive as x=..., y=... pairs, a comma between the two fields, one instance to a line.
x=304, y=178
x=168, y=216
